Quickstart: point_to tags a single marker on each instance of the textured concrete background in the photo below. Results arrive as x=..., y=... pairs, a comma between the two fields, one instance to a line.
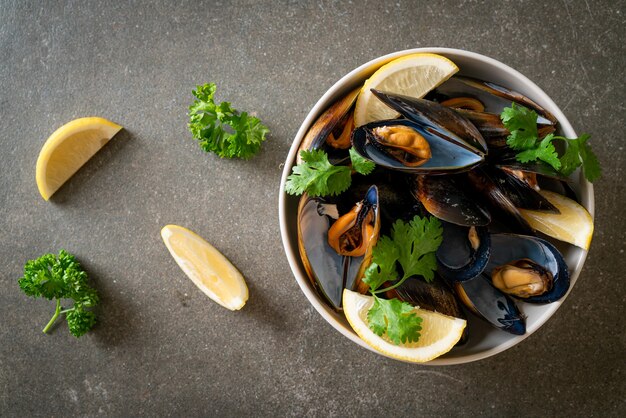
x=161, y=347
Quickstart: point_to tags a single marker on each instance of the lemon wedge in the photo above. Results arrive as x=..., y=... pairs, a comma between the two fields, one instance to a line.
x=438, y=335
x=413, y=75
x=206, y=267
x=68, y=148
x=573, y=225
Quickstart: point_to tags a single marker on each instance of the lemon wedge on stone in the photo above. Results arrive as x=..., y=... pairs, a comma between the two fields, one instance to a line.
x=413, y=75
x=573, y=225
x=68, y=148
x=438, y=335
x=206, y=267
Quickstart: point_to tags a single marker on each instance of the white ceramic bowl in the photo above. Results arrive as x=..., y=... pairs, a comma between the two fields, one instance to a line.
x=484, y=340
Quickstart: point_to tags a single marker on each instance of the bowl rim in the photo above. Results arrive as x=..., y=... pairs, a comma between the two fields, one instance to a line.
x=586, y=194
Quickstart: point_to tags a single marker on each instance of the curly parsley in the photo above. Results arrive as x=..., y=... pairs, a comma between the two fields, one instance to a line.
x=61, y=277
x=222, y=129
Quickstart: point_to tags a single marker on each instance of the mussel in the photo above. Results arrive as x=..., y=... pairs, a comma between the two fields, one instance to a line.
x=527, y=267
x=336, y=249
x=331, y=131
x=405, y=145
x=490, y=304
x=450, y=198
x=432, y=114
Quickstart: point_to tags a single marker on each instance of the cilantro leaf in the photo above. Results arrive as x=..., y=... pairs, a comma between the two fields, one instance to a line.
x=417, y=242
x=62, y=277
x=591, y=165
x=545, y=152
x=522, y=123
x=383, y=267
x=222, y=129
x=361, y=165
x=570, y=160
x=395, y=318
x=317, y=176
x=412, y=245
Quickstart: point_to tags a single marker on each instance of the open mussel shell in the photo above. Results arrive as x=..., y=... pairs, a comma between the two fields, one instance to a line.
x=493, y=96
x=329, y=271
x=450, y=199
x=463, y=253
x=507, y=248
x=490, y=304
x=331, y=131
x=432, y=114
x=447, y=153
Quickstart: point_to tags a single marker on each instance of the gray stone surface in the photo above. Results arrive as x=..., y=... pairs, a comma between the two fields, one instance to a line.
x=161, y=347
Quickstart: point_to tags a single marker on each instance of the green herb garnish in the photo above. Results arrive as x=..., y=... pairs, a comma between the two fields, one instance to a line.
x=222, y=129
x=524, y=137
x=62, y=278
x=412, y=246
x=316, y=176
x=360, y=164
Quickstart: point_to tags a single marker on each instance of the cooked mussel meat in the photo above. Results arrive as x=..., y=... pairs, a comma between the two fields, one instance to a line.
x=522, y=278
x=516, y=259
x=352, y=234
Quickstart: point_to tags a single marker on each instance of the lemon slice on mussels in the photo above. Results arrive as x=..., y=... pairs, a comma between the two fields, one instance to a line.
x=438, y=335
x=573, y=225
x=206, y=267
x=68, y=148
x=413, y=75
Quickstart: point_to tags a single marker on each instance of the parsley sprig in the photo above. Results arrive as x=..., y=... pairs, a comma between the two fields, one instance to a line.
x=412, y=247
x=524, y=137
x=316, y=176
x=222, y=129
x=61, y=277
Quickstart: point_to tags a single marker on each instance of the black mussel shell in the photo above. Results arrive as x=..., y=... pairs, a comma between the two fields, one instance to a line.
x=434, y=296
x=519, y=192
x=450, y=199
x=482, y=183
x=510, y=247
x=457, y=258
x=489, y=303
